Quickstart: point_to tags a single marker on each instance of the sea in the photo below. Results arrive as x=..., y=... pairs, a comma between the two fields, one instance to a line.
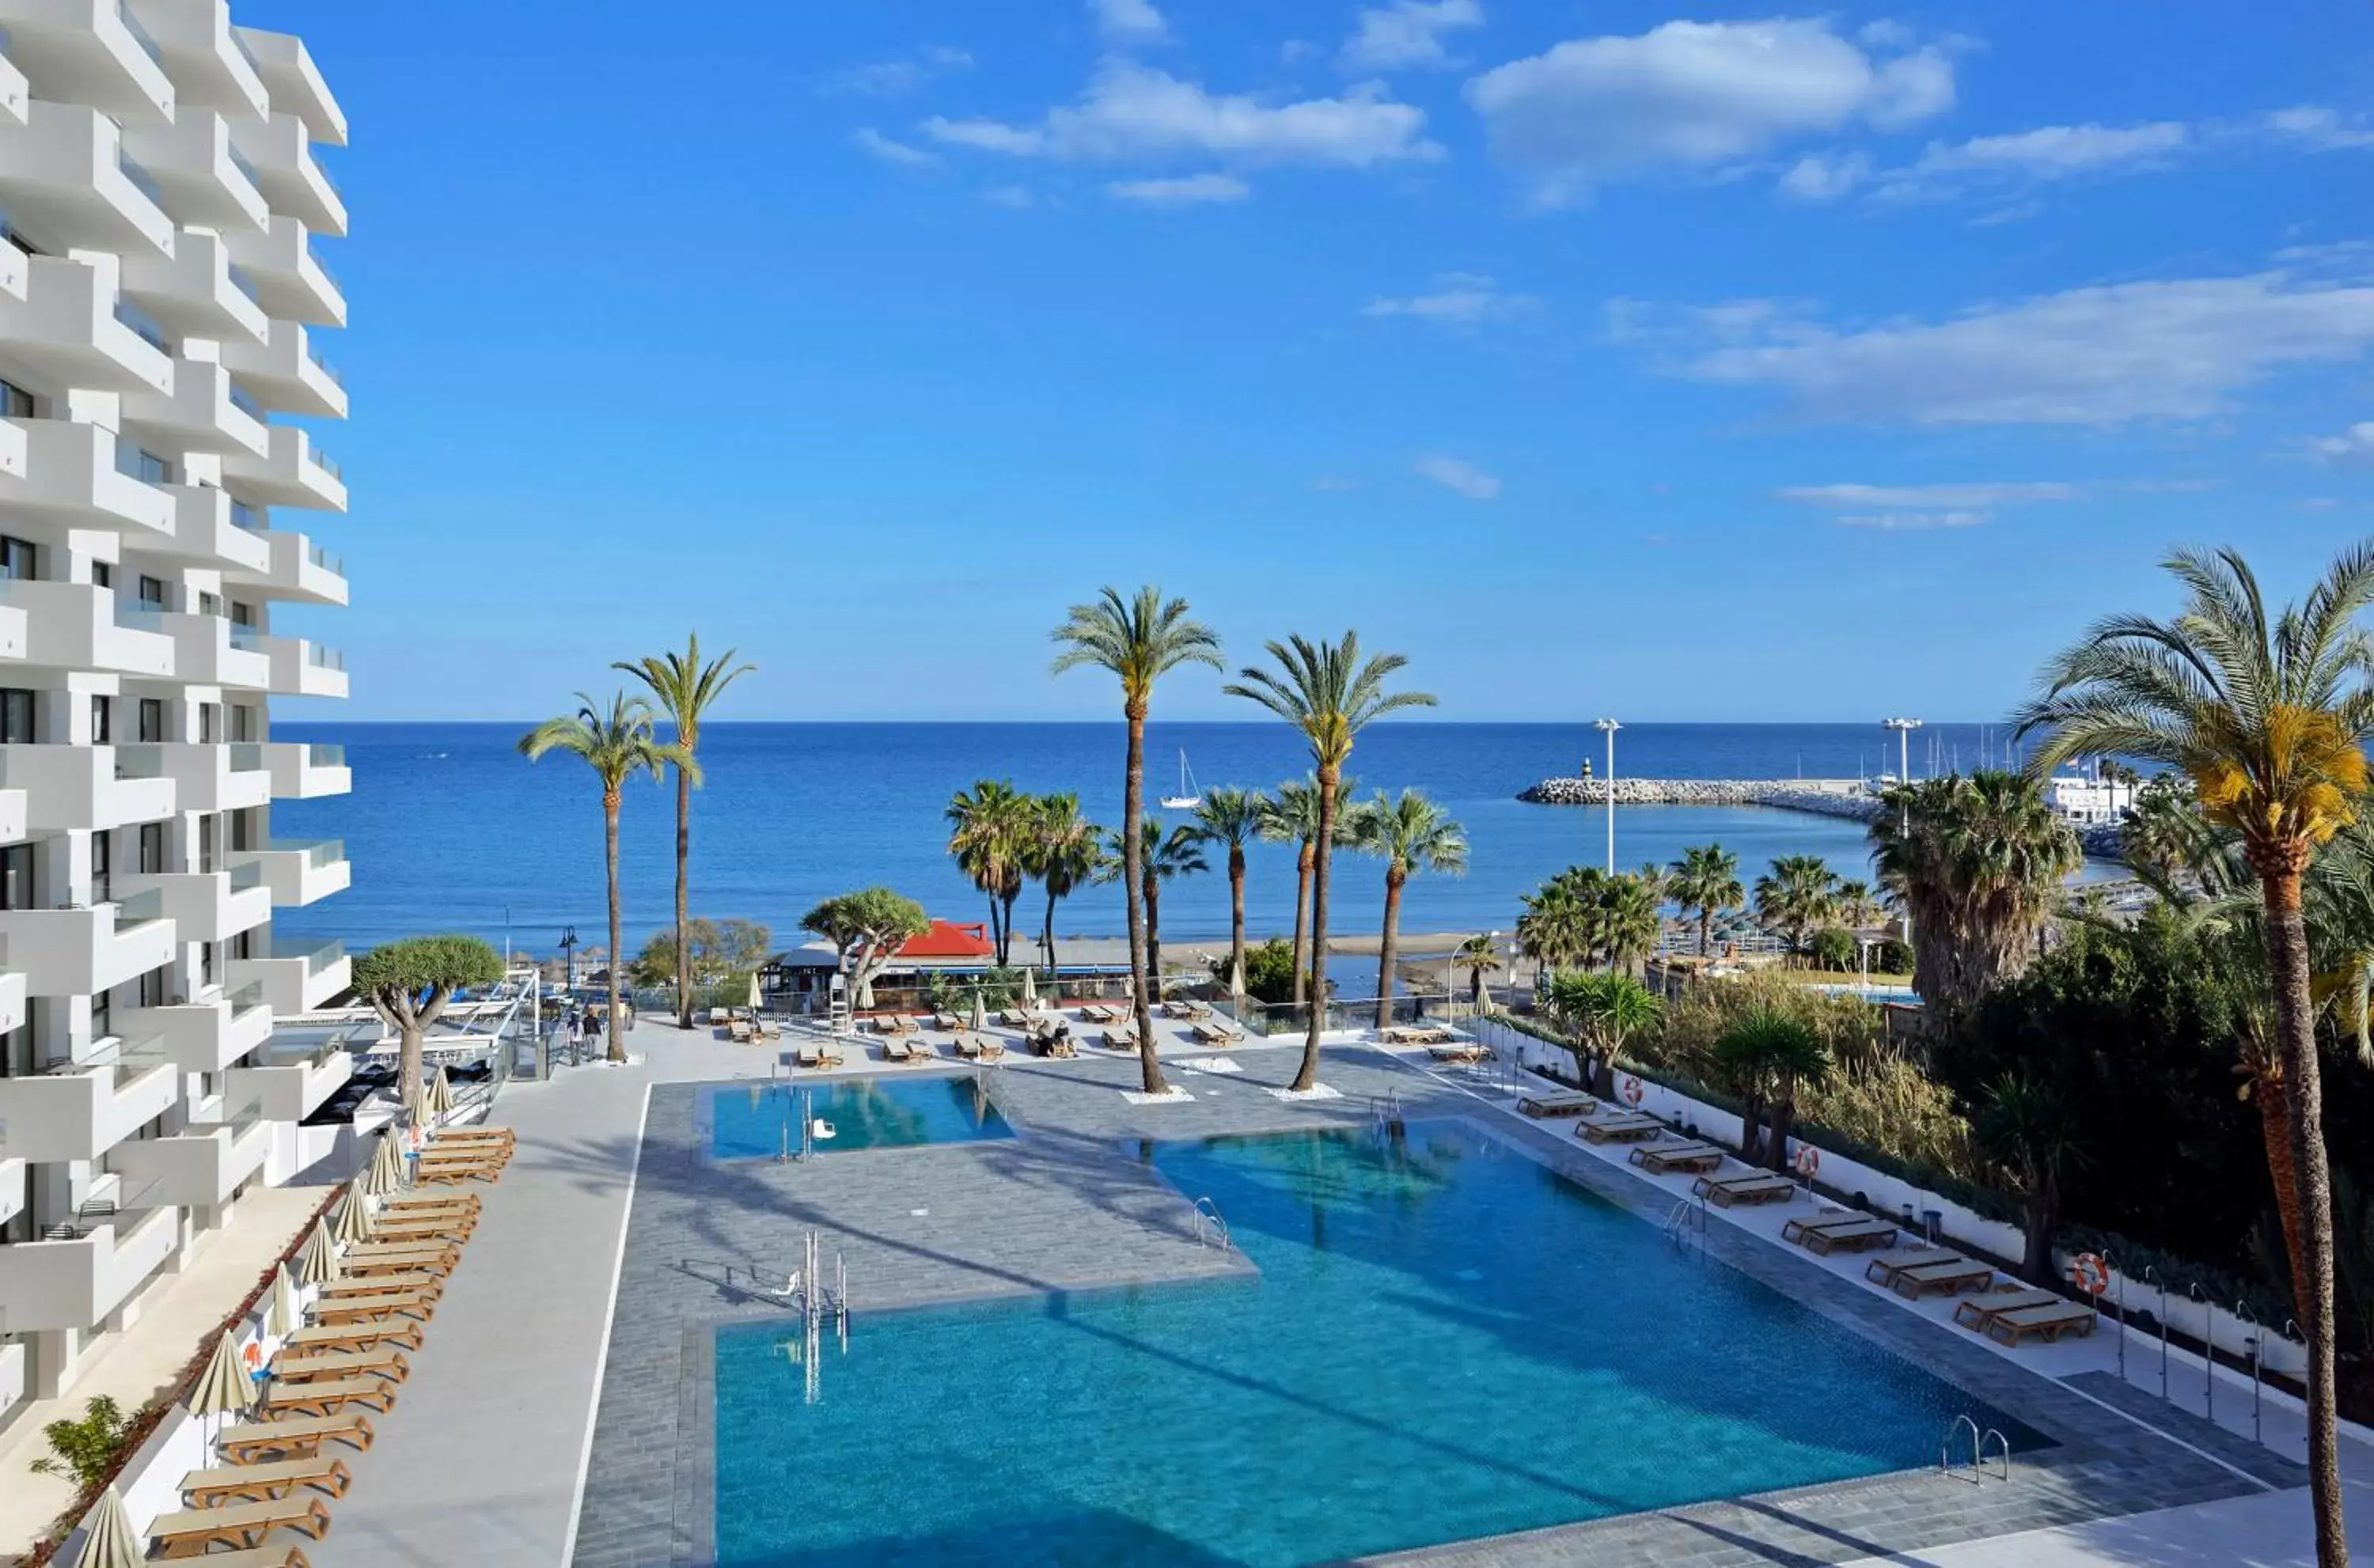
x=450, y=828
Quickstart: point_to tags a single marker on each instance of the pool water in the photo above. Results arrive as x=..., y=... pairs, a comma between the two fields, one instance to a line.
x=1447, y=1340
x=762, y=1120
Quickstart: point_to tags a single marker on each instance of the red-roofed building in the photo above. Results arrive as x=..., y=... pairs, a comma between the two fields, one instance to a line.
x=949, y=941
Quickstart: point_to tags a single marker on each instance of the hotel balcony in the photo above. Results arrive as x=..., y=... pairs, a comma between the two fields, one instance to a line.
x=16, y=825
x=303, y=669
x=81, y=789
x=76, y=626
x=89, y=51
x=65, y=175
x=80, y=1110
x=204, y=179
x=85, y=951
x=209, y=63
x=15, y=1005
x=303, y=570
x=305, y=770
x=285, y=374
x=290, y=1083
x=293, y=473
x=202, y=1167
x=289, y=280
x=295, y=87
x=210, y=652
x=208, y=1035
x=77, y=1279
x=197, y=291
x=205, y=906
x=208, y=778
x=298, y=872
x=72, y=326
x=206, y=412
x=296, y=978
x=281, y=154
x=75, y=473
x=16, y=103
x=214, y=531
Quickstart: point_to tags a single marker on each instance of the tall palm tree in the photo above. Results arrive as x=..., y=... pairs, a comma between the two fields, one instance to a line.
x=1554, y=926
x=1764, y=1057
x=1795, y=896
x=685, y=687
x=1856, y=904
x=1410, y=834
x=2026, y=1127
x=1977, y=861
x=1138, y=640
x=1064, y=852
x=616, y=745
x=1479, y=957
x=1329, y=693
x=2268, y=717
x=1159, y=859
x=988, y=833
x=1232, y=819
x=1293, y=818
x=1629, y=924
x=1707, y=879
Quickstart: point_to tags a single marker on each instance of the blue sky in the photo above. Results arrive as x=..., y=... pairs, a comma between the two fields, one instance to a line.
x=1704, y=364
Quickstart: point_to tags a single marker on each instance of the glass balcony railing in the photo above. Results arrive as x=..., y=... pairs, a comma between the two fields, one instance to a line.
x=247, y=999
x=244, y=400
x=317, y=958
x=246, y=517
x=240, y=281
x=140, y=762
x=321, y=461
x=321, y=364
x=140, y=618
x=324, y=267
x=324, y=559
x=318, y=755
x=247, y=639
x=138, y=463
x=139, y=34
x=139, y=909
x=246, y=756
x=318, y=852
x=142, y=181
x=144, y=326
x=324, y=657
x=246, y=170
x=245, y=876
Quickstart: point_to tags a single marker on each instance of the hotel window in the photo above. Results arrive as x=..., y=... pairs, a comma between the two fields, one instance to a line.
x=138, y=463
x=16, y=877
x=16, y=402
x=152, y=592
x=243, y=722
x=152, y=848
x=152, y=987
x=208, y=723
x=209, y=831
x=17, y=558
x=240, y=945
x=152, y=720
x=103, y=713
x=102, y=868
x=16, y=717
x=205, y=964
x=102, y=575
x=103, y=1016
x=243, y=830
x=209, y=603
x=241, y=614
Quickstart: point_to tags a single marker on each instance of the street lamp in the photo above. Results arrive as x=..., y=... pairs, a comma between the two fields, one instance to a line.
x=1904, y=728
x=569, y=960
x=1608, y=727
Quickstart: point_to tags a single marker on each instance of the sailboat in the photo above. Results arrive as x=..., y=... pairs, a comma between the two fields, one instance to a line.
x=1188, y=796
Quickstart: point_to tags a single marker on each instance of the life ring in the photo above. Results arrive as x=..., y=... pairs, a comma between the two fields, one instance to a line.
x=2090, y=1273
x=1631, y=1089
x=1807, y=1161
x=251, y=1358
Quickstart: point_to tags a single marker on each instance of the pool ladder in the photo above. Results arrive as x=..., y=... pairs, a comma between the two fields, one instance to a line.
x=1209, y=1226
x=1385, y=1117
x=1980, y=1443
x=1686, y=1218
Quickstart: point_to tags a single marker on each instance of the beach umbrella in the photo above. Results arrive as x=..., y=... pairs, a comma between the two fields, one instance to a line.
x=1030, y=988
x=354, y=1215
x=374, y=1175
x=317, y=1261
x=757, y=1000
x=979, y=1012
x=387, y=1164
x=223, y=1388
x=109, y=1541
x=438, y=1100
x=282, y=1320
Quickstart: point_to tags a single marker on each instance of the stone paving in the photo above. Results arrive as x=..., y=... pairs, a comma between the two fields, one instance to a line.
x=1069, y=1206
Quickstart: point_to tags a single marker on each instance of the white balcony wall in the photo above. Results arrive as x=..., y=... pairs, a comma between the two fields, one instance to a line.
x=207, y=532
x=289, y=1087
x=195, y=292
x=201, y=414
x=203, y=177
x=281, y=153
x=79, y=952
x=200, y=1168
x=290, y=281
x=65, y=174
x=209, y=67
x=286, y=374
x=71, y=475
x=213, y=778
x=77, y=789
x=205, y=1036
x=204, y=906
x=303, y=771
x=66, y=329
x=85, y=52
x=48, y=1285
x=81, y=1113
x=300, y=873
x=74, y=625
x=295, y=84
x=294, y=473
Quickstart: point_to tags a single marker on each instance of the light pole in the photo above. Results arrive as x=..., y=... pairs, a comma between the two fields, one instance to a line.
x=1904, y=728
x=569, y=961
x=1608, y=727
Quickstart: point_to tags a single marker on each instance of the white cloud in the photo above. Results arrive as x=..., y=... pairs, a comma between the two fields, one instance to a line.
x=2320, y=129
x=2172, y=349
x=2353, y=445
x=1694, y=95
x=1187, y=192
x=1458, y=299
x=2046, y=152
x=1950, y=497
x=1403, y=33
x=1129, y=21
x=1912, y=523
x=1824, y=177
x=1133, y=111
x=1456, y=473
x=890, y=78
x=888, y=151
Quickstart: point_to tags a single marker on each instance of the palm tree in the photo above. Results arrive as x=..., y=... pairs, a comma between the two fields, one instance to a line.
x=2026, y=1127
x=1479, y=957
x=1063, y=851
x=616, y=745
x=1977, y=863
x=1410, y=834
x=1554, y=926
x=1233, y=818
x=1159, y=859
x=1795, y=897
x=1329, y=693
x=1706, y=878
x=1137, y=640
x=1856, y=904
x=2268, y=719
x=1629, y=924
x=1603, y=1008
x=1764, y=1057
x=1293, y=818
x=685, y=687
x=989, y=827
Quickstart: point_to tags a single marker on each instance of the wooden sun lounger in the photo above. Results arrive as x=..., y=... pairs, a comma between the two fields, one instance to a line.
x=1215, y=1033
x=1853, y=1232
x=304, y=1365
x=260, y=1483
x=816, y=1058
x=490, y=1171
x=1663, y=1159
x=429, y=1260
x=465, y=1154
x=360, y=1334
x=979, y=1048
x=1756, y=1186
x=321, y=1399
x=1630, y=1129
x=1100, y=1012
x=894, y=1024
x=2049, y=1324
x=242, y=1525
x=346, y=1285
x=278, y=1555
x=404, y=1304
x=1941, y=1279
x=1555, y=1104
x=1883, y=1271
x=947, y=1023
x=298, y=1437
x=1462, y=1051
x=455, y=1229
x=431, y=1203
x=1977, y=1312
x=1014, y=1018
x=742, y=1031
x=452, y=1137
x=1119, y=1039
x=1416, y=1034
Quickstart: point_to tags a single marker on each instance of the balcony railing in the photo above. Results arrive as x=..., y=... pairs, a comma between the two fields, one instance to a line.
x=140, y=762
x=247, y=999
x=140, y=618
x=139, y=909
x=127, y=1059
x=239, y=161
x=324, y=657
x=240, y=281
x=323, y=365
x=319, y=755
x=309, y=1057
x=317, y=958
x=247, y=639
x=325, y=266
x=137, y=463
x=246, y=875
x=245, y=516
x=324, y=559
x=321, y=461
x=244, y=400
x=318, y=852
x=139, y=34
x=142, y=181
x=247, y=756
x=144, y=326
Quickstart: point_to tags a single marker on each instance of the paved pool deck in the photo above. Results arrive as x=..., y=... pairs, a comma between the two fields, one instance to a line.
x=497, y=1435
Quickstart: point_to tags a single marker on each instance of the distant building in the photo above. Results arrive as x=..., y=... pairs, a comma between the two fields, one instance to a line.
x=2090, y=802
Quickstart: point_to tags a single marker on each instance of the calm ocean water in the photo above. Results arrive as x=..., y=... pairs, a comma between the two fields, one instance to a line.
x=449, y=829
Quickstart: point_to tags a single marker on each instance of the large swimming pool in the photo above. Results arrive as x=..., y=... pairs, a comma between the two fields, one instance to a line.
x=1447, y=1340
x=761, y=1121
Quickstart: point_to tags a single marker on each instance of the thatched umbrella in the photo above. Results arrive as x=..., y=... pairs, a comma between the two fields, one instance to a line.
x=438, y=1099
x=317, y=1261
x=283, y=1316
x=354, y=1215
x=223, y=1388
x=109, y=1541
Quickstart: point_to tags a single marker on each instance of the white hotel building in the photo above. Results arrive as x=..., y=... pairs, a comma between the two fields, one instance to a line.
x=159, y=312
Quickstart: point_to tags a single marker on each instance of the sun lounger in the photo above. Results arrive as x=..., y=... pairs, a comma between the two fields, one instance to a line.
x=898, y=1050
x=402, y=1263
x=298, y=1437
x=1883, y=1271
x=469, y=1149
x=280, y=1554
x=1941, y=1279
x=1014, y=1018
x=421, y=1305
x=321, y=1398
x=818, y=1059
x=1663, y=1159
x=1556, y=1103
x=742, y=1032
x=1627, y=1129
x=2046, y=1323
x=431, y=1202
x=392, y=1256
x=243, y=1526
x=469, y=1159
x=947, y=1023
x=455, y=1229
x=720, y=1015
x=1464, y=1051
x=260, y=1483
x=1214, y=1033
x=894, y=1024
x=1829, y=1233
x=1100, y=1012
x=345, y=1286
x=1977, y=1312
x=1756, y=1186
x=360, y=1334
x=453, y=1135
x=301, y=1366
x=1416, y=1034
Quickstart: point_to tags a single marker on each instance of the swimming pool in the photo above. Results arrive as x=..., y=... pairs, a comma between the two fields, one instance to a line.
x=1446, y=1340
x=756, y=1121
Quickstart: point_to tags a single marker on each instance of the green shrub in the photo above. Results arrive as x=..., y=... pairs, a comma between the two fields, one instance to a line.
x=1833, y=948
x=1269, y=971
x=86, y=1449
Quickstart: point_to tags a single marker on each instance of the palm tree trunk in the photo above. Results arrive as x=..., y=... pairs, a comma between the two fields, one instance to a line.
x=1154, y=936
x=1047, y=934
x=1005, y=933
x=1751, y=1140
x=1149, y=1070
x=1309, y=1075
x=2043, y=1215
x=1237, y=928
x=2274, y=1102
x=683, y=900
x=408, y=1069
x=1302, y=862
x=1386, y=943
x=1784, y=1121
x=2280, y=874
x=1705, y=927
x=617, y=969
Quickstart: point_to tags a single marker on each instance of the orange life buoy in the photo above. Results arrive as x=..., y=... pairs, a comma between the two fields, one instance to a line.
x=2091, y=1275
x=1631, y=1089
x=250, y=1357
x=1808, y=1160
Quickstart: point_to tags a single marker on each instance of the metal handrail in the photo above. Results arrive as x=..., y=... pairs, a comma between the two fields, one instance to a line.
x=1207, y=1220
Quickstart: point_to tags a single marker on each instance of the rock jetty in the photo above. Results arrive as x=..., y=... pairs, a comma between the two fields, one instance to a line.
x=1848, y=798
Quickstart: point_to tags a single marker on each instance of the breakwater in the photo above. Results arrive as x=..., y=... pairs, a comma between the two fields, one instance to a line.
x=1849, y=798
